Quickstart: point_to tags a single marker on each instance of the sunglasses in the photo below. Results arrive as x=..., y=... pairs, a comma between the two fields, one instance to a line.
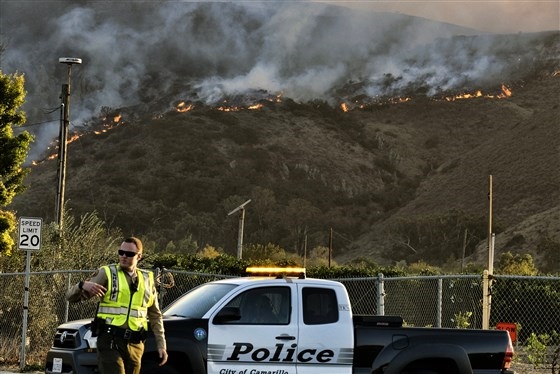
x=127, y=253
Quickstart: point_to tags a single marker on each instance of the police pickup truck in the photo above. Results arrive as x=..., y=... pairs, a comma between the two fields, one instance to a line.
x=285, y=323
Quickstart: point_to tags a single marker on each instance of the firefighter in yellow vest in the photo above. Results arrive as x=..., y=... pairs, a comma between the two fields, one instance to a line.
x=128, y=300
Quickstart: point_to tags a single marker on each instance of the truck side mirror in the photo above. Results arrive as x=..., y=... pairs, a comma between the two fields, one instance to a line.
x=227, y=314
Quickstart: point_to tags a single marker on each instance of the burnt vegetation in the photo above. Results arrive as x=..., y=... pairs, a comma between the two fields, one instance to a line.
x=398, y=180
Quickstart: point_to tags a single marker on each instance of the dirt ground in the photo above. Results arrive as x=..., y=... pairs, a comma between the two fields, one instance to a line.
x=520, y=368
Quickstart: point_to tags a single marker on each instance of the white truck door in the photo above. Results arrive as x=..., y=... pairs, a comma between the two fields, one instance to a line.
x=264, y=340
x=326, y=334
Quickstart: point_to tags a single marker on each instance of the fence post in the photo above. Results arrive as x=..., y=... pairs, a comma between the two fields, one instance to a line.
x=439, y=301
x=160, y=276
x=25, y=310
x=67, y=303
x=485, y=301
x=380, y=295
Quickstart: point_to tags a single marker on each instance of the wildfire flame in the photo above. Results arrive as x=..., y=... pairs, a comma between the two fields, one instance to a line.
x=108, y=126
x=183, y=107
x=115, y=121
x=505, y=92
x=228, y=108
x=398, y=100
x=225, y=108
x=255, y=107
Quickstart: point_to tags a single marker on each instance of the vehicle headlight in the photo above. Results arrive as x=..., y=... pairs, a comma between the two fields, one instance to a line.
x=90, y=340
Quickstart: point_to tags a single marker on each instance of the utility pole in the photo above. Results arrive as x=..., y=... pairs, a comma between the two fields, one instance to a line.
x=63, y=138
x=305, y=247
x=464, y=250
x=240, y=208
x=487, y=276
x=330, y=246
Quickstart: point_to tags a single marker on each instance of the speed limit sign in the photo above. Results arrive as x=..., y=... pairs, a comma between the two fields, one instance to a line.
x=29, y=233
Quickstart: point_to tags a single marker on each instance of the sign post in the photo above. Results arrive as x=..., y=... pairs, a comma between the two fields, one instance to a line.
x=29, y=239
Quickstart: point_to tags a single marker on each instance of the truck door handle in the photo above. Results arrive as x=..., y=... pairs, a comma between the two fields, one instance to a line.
x=285, y=337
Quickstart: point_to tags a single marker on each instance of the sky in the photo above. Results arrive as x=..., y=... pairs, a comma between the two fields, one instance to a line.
x=501, y=16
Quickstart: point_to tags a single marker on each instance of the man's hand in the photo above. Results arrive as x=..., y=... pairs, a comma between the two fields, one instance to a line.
x=163, y=356
x=94, y=289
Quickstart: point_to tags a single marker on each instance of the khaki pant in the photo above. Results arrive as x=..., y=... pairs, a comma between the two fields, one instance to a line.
x=116, y=355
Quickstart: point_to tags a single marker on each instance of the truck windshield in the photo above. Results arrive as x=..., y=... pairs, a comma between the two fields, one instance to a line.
x=196, y=302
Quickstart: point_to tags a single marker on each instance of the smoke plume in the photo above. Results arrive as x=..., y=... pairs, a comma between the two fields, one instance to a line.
x=138, y=53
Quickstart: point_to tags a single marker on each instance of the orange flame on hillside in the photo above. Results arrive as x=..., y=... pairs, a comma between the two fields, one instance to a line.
x=506, y=92
x=74, y=137
x=110, y=125
x=255, y=106
x=77, y=135
x=398, y=100
x=228, y=108
x=182, y=107
x=225, y=108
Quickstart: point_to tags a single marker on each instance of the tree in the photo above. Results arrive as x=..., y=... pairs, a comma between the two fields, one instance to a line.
x=13, y=152
x=516, y=264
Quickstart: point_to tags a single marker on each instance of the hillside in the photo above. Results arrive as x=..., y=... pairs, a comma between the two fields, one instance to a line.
x=380, y=128
x=514, y=140
x=314, y=167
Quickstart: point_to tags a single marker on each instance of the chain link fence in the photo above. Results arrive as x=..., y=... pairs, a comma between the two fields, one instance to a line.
x=450, y=301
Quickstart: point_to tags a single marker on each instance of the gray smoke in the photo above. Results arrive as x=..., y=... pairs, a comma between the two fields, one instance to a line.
x=137, y=53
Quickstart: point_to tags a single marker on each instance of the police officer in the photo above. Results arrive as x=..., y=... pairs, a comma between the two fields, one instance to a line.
x=128, y=301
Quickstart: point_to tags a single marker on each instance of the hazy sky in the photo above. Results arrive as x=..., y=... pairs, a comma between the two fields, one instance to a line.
x=501, y=16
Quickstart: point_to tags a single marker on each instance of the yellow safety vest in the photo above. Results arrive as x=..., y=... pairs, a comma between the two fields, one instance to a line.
x=117, y=305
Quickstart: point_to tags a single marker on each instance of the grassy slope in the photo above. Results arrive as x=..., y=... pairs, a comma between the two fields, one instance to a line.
x=451, y=147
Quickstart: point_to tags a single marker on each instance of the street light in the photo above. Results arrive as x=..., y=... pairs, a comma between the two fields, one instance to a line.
x=241, y=222
x=62, y=139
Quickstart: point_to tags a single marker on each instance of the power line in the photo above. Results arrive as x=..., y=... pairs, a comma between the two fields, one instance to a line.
x=46, y=111
x=52, y=110
x=37, y=123
x=342, y=236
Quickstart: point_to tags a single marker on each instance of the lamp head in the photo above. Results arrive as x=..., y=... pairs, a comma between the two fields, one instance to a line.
x=70, y=60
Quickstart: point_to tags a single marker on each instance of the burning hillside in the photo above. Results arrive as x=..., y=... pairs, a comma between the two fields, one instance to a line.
x=323, y=116
x=113, y=118
x=311, y=166
x=233, y=55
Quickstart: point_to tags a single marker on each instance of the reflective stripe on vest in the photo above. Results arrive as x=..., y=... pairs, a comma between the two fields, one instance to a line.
x=114, y=307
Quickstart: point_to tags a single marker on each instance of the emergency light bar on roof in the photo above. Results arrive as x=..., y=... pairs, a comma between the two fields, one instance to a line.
x=278, y=272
